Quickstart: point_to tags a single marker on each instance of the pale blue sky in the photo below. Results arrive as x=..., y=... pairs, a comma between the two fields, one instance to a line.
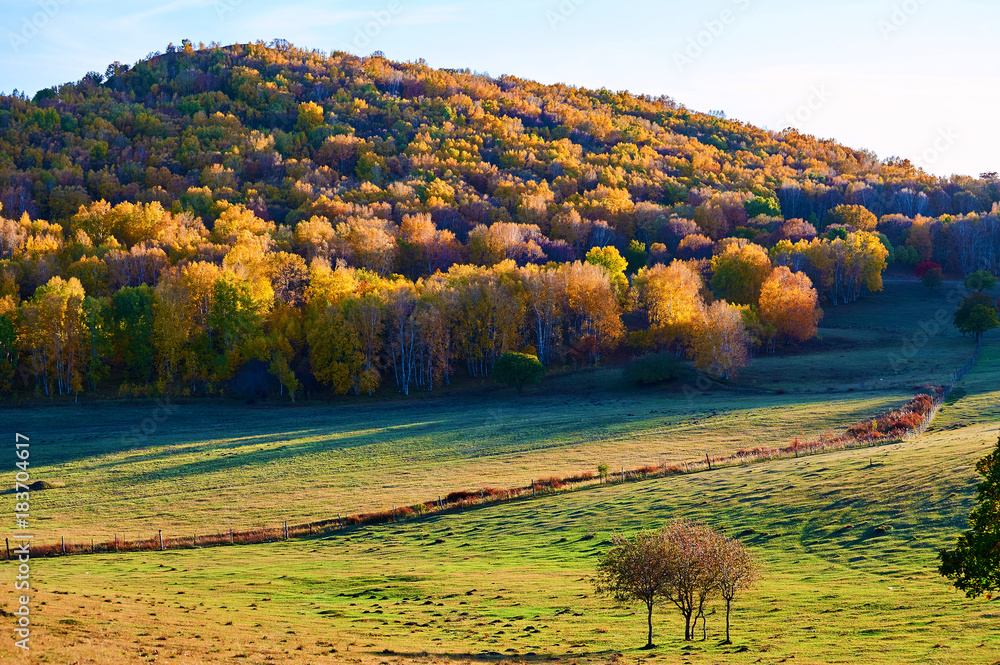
x=915, y=78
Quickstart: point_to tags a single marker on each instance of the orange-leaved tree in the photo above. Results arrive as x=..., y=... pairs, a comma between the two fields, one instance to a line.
x=788, y=302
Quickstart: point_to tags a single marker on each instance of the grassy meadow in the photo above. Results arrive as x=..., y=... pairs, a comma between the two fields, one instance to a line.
x=849, y=538
x=185, y=467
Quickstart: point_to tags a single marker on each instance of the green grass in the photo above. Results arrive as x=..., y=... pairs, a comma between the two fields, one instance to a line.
x=849, y=538
x=208, y=467
x=849, y=541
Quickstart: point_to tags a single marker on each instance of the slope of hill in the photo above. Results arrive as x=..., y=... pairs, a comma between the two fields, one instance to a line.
x=287, y=131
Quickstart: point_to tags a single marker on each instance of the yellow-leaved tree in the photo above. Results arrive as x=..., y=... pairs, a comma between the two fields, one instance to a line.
x=721, y=344
x=739, y=272
x=52, y=329
x=789, y=302
x=672, y=297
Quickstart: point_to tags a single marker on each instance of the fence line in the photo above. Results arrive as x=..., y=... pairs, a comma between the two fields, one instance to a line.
x=926, y=409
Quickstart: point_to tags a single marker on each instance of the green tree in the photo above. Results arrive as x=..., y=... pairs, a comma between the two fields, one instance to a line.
x=973, y=564
x=132, y=330
x=8, y=353
x=636, y=256
x=310, y=116
x=234, y=318
x=760, y=205
x=739, y=273
x=518, y=369
x=933, y=277
x=981, y=280
x=95, y=318
x=653, y=368
x=976, y=314
x=614, y=265
x=283, y=372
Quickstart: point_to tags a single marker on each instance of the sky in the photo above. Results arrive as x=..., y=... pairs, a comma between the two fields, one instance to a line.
x=910, y=78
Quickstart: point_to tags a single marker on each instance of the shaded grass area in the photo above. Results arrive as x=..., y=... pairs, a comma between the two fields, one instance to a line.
x=234, y=473
x=209, y=467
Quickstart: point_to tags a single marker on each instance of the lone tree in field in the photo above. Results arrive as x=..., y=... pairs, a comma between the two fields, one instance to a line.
x=739, y=570
x=518, y=369
x=974, y=564
x=636, y=569
x=686, y=563
x=976, y=314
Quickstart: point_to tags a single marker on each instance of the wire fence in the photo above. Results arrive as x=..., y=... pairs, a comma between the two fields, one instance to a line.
x=903, y=424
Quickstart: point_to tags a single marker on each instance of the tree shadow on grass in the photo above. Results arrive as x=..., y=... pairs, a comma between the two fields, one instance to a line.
x=499, y=657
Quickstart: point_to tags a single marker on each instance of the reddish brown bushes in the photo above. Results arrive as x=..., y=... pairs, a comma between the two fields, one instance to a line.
x=459, y=496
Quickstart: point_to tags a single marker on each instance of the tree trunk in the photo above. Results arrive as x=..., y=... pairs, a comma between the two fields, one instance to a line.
x=728, y=604
x=687, y=626
x=649, y=622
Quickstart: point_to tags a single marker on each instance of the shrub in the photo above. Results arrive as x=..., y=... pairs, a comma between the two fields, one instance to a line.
x=519, y=369
x=653, y=368
x=924, y=267
x=459, y=496
x=932, y=278
x=552, y=482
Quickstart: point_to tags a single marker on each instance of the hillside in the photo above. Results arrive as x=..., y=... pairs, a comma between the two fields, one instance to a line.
x=264, y=221
x=191, y=127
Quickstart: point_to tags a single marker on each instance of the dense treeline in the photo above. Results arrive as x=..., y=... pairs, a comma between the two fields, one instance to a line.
x=355, y=221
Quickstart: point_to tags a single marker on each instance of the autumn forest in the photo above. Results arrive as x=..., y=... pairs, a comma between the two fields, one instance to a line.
x=347, y=224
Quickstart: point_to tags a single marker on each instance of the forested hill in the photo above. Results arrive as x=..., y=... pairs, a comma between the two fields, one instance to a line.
x=194, y=126
x=351, y=222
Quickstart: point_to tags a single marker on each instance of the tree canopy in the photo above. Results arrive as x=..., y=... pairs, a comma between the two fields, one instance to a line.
x=973, y=564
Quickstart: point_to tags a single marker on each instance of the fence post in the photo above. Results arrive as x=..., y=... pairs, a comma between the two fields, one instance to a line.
x=230, y=535
x=91, y=545
x=286, y=529
x=532, y=487
x=194, y=540
x=709, y=461
x=116, y=542
x=7, y=540
x=64, y=544
x=161, y=539
x=440, y=503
